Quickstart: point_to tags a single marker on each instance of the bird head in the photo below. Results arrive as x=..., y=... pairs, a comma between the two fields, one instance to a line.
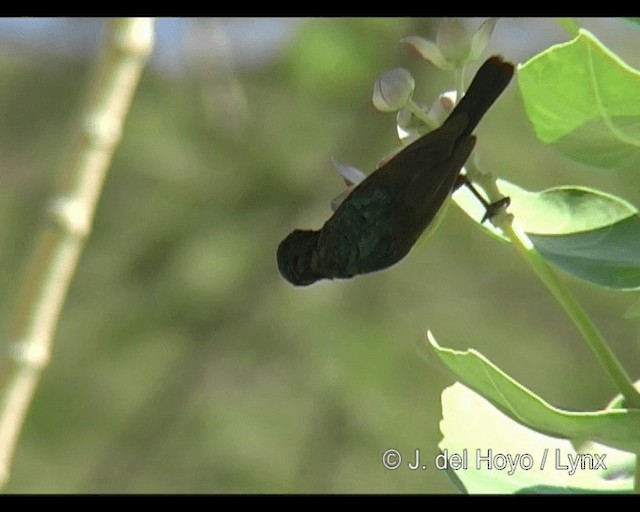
x=295, y=255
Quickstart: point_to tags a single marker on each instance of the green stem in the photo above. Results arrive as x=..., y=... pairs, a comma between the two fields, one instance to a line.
x=571, y=26
x=420, y=114
x=572, y=307
x=579, y=317
x=574, y=310
x=412, y=107
x=458, y=76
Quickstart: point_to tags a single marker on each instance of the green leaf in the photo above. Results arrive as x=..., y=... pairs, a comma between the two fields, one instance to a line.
x=585, y=101
x=608, y=257
x=635, y=21
x=565, y=210
x=618, y=428
x=633, y=311
x=584, y=232
x=504, y=456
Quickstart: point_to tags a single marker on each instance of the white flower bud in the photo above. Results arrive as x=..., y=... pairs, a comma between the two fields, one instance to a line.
x=453, y=41
x=428, y=50
x=408, y=126
x=443, y=106
x=480, y=39
x=393, y=90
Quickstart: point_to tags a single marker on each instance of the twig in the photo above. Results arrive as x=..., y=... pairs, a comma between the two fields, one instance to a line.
x=32, y=325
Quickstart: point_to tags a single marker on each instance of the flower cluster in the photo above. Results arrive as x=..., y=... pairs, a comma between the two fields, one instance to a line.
x=452, y=50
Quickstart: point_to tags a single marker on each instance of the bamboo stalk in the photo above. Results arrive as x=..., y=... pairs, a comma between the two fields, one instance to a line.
x=29, y=337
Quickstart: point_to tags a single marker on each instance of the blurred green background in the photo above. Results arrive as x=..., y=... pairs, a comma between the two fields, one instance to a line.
x=183, y=362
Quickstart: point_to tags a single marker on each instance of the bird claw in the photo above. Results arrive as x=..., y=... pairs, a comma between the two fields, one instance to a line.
x=491, y=209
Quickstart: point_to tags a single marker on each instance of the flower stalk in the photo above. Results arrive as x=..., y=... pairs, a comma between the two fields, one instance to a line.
x=30, y=333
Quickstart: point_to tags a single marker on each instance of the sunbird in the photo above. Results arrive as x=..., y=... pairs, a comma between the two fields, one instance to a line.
x=381, y=219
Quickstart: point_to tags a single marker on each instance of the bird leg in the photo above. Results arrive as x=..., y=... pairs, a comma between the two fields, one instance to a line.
x=491, y=209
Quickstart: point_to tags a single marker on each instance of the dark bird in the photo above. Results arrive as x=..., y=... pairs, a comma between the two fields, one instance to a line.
x=380, y=220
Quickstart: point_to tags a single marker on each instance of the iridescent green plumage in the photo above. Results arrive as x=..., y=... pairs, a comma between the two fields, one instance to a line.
x=380, y=220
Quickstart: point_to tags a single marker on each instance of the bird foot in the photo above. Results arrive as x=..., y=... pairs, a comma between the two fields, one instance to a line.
x=491, y=209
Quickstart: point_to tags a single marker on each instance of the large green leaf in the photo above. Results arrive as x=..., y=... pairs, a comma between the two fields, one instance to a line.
x=618, y=428
x=503, y=456
x=565, y=210
x=584, y=232
x=608, y=257
x=554, y=211
x=585, y=101
x=633, y=311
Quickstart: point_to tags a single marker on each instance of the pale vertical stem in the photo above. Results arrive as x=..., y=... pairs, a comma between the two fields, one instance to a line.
x=128, y=42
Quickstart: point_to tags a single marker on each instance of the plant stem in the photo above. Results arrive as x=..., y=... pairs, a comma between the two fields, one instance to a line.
x=571, y=26
x=32, y=325
x=521, y=242
x=574, y=310
x=458, y=77
x=420, y=114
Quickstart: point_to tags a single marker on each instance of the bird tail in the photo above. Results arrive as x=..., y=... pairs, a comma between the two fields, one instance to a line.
x=490, y=80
